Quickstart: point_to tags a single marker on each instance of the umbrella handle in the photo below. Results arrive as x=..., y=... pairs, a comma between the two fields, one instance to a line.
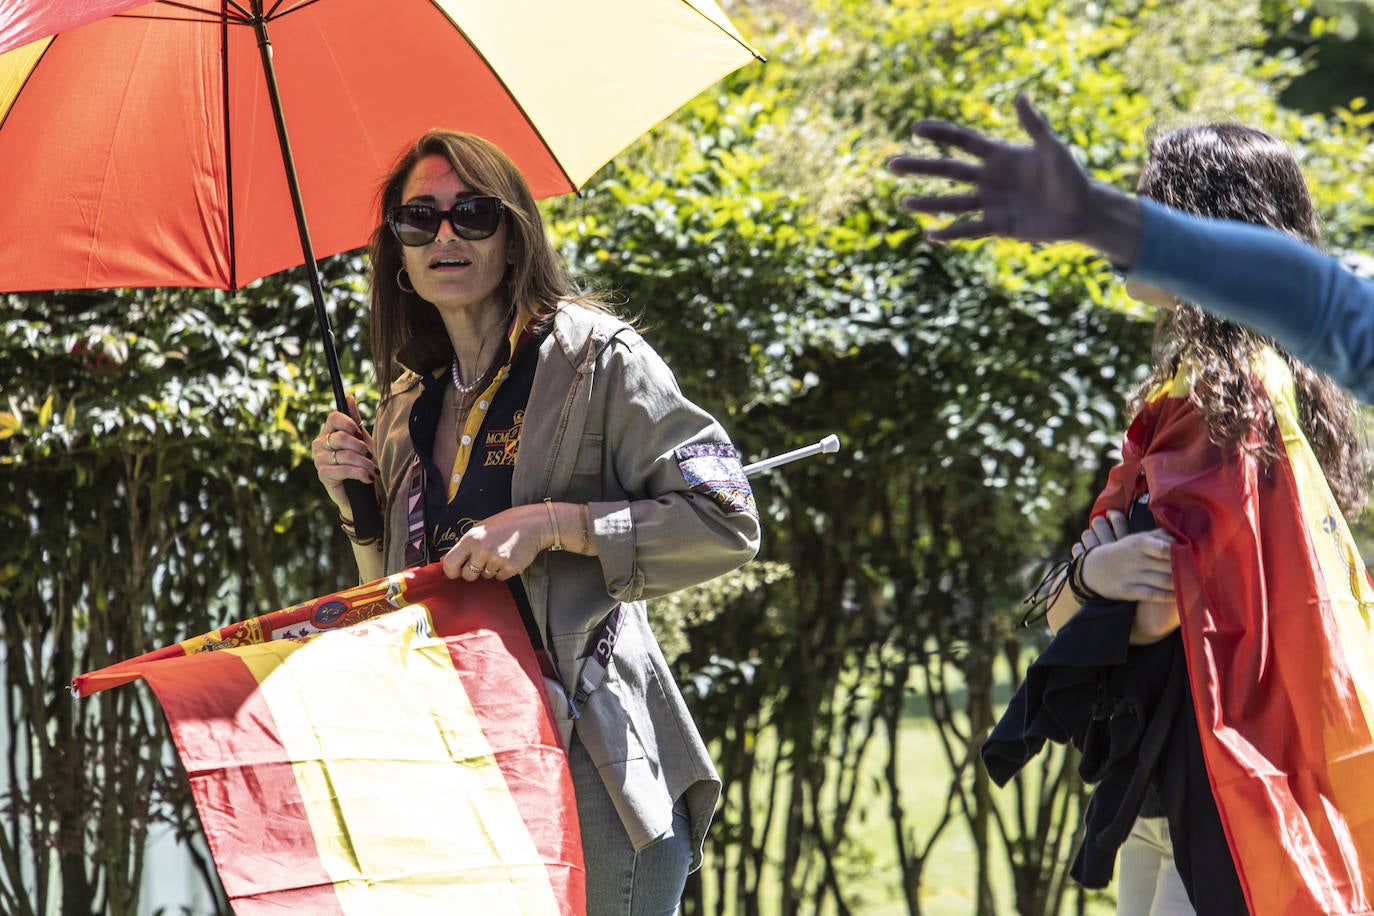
x=367, y=517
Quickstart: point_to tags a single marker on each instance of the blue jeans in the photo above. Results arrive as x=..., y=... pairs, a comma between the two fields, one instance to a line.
x=621, y=882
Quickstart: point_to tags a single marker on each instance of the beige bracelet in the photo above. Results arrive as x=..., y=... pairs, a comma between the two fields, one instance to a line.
x=553, y=520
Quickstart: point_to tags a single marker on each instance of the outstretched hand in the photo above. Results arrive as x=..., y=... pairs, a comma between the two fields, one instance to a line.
x=1036, y=193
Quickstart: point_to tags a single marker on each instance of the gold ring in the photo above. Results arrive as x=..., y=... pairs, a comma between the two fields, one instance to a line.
x=334, y=455
x=488, y=573
x=477, y=569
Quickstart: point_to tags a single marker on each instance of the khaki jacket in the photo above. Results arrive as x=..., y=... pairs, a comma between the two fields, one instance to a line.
x=603, y=426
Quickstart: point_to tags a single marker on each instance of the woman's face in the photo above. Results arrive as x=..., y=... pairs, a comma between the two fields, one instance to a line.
x=452, y=273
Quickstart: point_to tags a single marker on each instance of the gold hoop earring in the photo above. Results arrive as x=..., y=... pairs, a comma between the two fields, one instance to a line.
x=403, y=282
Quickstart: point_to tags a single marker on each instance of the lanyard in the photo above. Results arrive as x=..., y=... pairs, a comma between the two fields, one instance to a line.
x=417, y=547
x=478, y=413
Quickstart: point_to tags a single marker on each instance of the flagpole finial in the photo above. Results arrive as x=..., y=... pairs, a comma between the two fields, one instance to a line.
x=827, y=446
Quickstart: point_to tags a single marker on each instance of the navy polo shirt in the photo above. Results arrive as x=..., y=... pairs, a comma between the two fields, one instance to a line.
x=484, y=481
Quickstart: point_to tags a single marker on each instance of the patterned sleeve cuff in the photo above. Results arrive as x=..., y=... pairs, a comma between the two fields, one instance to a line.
x=714, y=469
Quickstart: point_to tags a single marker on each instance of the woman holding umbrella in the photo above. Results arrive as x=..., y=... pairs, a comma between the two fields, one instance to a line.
x=529, y=436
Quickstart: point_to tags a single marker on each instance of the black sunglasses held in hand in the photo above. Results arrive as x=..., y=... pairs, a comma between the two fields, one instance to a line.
x=472, y=218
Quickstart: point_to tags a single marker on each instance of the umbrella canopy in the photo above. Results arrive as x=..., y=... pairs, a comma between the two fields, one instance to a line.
x=200, y=143
x=138, y=145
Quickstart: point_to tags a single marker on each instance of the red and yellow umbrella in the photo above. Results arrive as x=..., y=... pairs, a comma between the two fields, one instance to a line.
x=138, y=145
x=208, y=143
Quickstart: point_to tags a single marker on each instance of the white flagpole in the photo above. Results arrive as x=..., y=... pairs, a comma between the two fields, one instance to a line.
x=827, y=446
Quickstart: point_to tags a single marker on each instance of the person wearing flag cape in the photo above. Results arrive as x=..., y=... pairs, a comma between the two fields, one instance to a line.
x=528, y=435
x=1210, y=653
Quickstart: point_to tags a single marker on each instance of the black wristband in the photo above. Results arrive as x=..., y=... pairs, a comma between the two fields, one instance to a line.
x=1080, y=589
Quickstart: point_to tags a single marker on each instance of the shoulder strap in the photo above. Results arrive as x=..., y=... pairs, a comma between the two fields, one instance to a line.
x=417, y=545
x=594, y=668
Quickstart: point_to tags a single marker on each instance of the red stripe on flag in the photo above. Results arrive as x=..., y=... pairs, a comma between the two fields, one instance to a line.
x=1288, y=748
x=123, y=672
x=228, y=742
x=250, y=795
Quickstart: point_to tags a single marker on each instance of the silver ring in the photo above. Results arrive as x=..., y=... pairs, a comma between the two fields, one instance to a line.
x=488, y=573
x=334, y=455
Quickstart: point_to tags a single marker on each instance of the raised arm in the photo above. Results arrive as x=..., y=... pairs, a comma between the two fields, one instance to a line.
x=1307, y=301
x=1036, y=193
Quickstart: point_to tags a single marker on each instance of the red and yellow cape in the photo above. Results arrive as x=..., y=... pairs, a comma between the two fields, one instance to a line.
x=1275, y=612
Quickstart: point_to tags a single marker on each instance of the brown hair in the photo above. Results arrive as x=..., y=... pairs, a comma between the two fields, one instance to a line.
x=1231, y=171
x=535, y=282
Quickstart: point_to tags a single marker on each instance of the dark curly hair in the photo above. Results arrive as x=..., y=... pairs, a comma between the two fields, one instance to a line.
x=1235, y=172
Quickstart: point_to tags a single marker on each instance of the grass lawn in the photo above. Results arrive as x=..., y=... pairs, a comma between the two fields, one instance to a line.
x=872, y=878
x=949, y=888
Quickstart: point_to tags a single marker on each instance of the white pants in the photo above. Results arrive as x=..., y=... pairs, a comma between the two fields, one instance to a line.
x=1147, y=882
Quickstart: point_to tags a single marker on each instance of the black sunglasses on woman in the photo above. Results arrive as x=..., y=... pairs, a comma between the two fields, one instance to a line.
x=472, y=218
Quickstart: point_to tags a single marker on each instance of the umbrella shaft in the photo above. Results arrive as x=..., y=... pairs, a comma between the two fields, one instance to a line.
x=362, y=499
x=298, y=207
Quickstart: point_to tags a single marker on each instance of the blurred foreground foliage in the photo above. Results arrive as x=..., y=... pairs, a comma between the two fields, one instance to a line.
x=154, y=444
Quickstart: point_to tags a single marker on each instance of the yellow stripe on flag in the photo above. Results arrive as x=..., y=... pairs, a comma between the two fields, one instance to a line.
x=402, y=792
x=15, y=67
x=1342, y=571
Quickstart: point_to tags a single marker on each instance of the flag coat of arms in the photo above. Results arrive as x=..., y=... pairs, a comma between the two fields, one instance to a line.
x=1275, y=610
x=385, y=749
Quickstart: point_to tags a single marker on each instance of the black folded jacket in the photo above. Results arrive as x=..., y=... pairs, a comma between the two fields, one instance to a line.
x=1129, y=711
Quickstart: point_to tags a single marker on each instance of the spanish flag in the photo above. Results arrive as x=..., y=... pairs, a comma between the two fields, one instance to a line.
x=385, y=749
x=1275, y=612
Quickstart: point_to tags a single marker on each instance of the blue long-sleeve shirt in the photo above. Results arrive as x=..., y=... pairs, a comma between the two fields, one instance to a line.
x=1316, y=308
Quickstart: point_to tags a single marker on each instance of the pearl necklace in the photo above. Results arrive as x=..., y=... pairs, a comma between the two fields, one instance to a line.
x=458, y=385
